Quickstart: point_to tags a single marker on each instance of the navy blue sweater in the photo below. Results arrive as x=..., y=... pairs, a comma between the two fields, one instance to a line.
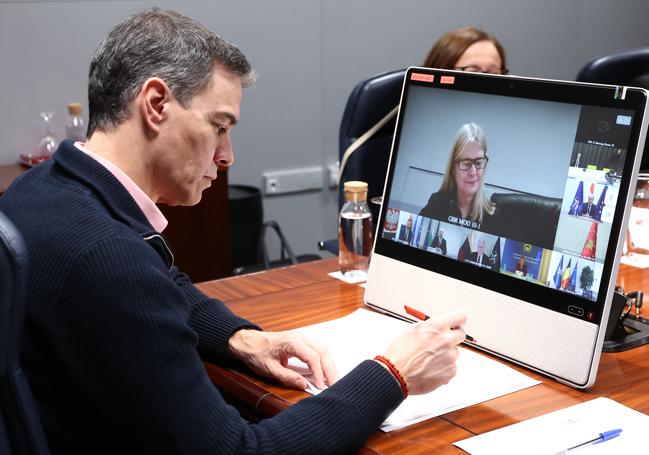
x=114, y=330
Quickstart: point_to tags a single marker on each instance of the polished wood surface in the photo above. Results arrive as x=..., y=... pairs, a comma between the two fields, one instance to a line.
x=199, y=235
x=299, y=295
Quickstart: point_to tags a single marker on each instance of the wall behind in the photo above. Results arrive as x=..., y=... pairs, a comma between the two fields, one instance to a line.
x=309, y=55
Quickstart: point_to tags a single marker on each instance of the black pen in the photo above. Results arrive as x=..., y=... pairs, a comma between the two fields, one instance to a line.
x=423, y=317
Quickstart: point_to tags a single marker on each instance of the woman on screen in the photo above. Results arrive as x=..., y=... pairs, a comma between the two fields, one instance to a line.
x=460, y=199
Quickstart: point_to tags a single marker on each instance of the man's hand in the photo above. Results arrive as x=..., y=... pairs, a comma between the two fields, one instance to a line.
x=267, y=353
x=426, y=353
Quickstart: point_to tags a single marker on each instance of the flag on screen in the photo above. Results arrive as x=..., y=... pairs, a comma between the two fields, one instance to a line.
x=573, y=278
x=425, y=229
x=422, y=232
x=391, y=221
x=590, y=245
x=430, y=234
x=565, y=278
x=494, y=257
x=465, y=250
x=416, y=231
x=557, y=274
x=600, y=204
x=575, y=207
x=429, y=242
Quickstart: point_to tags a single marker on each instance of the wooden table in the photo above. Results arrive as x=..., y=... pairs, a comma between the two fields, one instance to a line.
x=300, y=295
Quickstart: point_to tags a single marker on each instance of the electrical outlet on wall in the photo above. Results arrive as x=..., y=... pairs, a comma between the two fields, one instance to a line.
x=293, y=180
x=332, y=174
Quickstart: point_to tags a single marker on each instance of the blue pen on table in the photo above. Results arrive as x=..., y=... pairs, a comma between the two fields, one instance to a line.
x=605, y=436
x=423, y=317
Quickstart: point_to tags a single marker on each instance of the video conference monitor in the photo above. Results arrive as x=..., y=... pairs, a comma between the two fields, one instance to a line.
x=507, y=198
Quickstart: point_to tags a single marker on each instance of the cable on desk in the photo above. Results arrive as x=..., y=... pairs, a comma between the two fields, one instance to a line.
x=261, y=398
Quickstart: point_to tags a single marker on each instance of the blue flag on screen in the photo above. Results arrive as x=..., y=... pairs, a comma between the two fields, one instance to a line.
x=558, y=273
x=427, y=236
x=415, y=231
x=600, y=204
x=416, y=228
x=425, y=230
x=575, y=207
x=573, y=279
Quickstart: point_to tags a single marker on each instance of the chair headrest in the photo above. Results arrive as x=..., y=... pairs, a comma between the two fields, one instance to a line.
x=370, y=101
x=527, y=218
x=617, y=68
x=524, y=202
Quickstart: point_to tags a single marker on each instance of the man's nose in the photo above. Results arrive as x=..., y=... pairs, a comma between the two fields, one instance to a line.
x=224, y=155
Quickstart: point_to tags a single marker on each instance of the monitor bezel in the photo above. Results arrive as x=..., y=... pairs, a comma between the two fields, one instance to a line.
x=528, y=88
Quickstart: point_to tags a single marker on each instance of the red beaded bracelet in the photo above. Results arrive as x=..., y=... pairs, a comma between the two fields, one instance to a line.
x=397, y=375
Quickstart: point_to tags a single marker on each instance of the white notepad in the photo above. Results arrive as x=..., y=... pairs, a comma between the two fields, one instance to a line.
x=551, y=433
x=364, y=334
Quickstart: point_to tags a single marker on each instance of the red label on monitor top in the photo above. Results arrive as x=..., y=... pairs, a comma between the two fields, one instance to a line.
x=422, y=77
x=447, y=80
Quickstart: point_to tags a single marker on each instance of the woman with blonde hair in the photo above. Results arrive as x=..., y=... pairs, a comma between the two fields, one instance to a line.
x=461, y=194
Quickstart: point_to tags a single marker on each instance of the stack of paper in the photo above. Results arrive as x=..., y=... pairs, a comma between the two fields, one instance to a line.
x=365, y=334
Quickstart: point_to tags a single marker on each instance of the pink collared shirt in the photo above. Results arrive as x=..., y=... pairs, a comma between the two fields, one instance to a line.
x=148, y=207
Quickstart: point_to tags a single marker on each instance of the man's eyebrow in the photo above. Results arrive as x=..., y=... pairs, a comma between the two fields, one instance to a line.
x=215, y=116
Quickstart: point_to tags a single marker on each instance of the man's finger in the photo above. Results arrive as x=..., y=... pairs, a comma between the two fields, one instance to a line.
x=326, y=361
x=329, y=367
x=306, y=354
x=458, y=334
x=452, y=320
x=288, y=377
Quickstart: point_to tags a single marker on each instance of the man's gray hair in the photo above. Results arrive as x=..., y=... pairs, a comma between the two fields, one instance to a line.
x=156, y=43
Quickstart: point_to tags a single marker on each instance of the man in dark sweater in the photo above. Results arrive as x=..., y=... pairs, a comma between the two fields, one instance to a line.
x=114, y=331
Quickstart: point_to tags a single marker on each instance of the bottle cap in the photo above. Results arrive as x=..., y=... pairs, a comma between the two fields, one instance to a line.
x=74, y=108
x=356, y=186
x=355, y=191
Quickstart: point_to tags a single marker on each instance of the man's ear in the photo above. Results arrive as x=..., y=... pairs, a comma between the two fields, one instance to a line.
x=154, y=99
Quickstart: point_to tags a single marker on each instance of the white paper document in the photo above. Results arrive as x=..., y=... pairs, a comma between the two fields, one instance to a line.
x=351, y=279
x=557, y=431
x=364, y=334
x=636, y=260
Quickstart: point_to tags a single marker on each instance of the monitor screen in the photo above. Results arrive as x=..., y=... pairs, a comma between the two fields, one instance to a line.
x=511, y=191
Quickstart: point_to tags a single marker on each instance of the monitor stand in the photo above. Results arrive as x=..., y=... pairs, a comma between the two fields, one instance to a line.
x=625, y=330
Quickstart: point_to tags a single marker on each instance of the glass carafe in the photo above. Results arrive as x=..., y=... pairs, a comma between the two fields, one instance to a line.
x=48, y=142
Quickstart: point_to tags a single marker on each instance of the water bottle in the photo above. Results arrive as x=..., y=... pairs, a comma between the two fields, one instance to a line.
x=355, y=231
x=74, y=126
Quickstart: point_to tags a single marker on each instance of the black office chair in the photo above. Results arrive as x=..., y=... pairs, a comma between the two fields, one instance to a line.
x=628, y=67
x=372, y=104
x=19, y=410
x=529, y=218
x=4, y=439
x=618, y=68
x=369, y=102
x=248, y=234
